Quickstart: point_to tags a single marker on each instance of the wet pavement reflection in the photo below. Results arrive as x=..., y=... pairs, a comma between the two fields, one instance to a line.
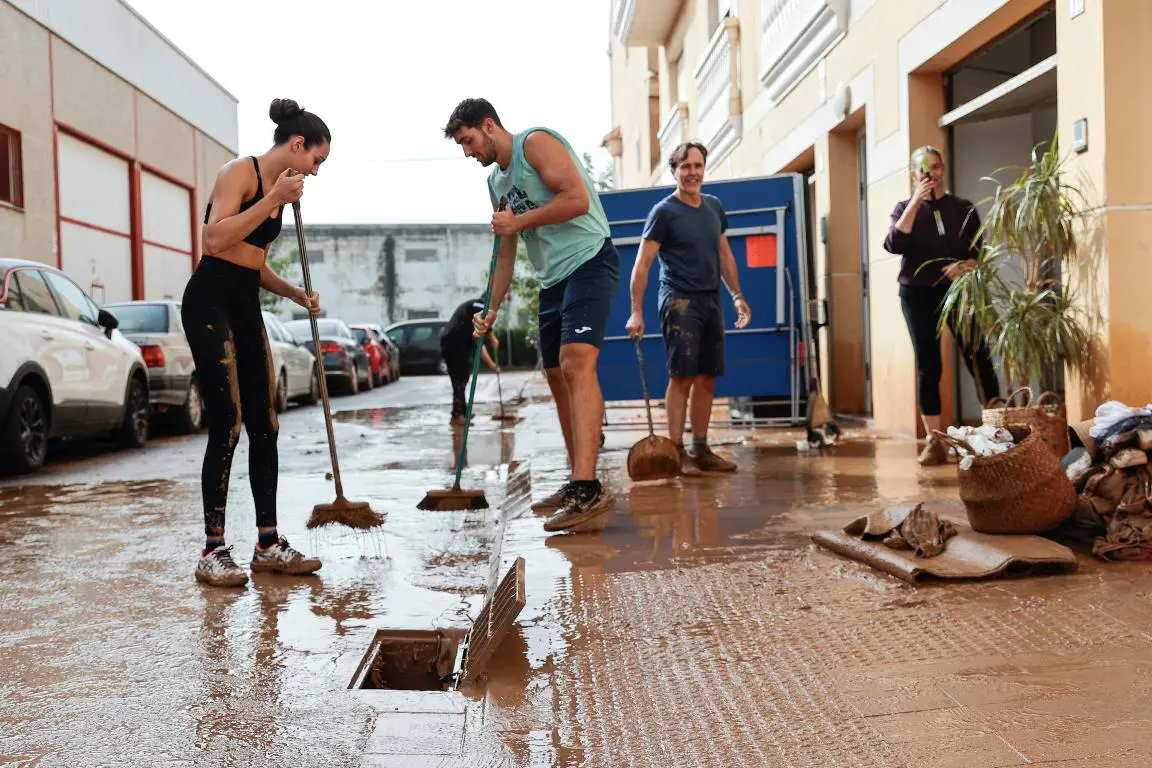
x=701, y=628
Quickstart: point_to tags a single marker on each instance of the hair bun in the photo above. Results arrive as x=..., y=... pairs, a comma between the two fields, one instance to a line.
x=283, y=110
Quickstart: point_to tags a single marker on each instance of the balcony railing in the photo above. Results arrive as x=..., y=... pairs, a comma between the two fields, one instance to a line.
x=672, y=134
x=718, y=92
x=794, y=36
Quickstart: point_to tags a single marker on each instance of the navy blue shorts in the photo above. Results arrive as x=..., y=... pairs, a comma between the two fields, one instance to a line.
x=693, y=327
x=575, y=310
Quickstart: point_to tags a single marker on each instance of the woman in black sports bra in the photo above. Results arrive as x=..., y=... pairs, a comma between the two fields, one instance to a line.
x=222, y=320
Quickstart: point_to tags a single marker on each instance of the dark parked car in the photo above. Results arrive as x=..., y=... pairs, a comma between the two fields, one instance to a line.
x=419, y=344
x=344, y=357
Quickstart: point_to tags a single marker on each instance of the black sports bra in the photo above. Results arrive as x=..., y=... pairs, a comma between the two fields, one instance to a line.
x=269, y=229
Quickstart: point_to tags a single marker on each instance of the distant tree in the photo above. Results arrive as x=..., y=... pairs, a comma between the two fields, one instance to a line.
x=283, y=263
x=602, y=180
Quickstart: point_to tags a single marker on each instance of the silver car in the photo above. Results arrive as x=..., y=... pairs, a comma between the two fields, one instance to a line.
x=156, y=328
x=295, y=366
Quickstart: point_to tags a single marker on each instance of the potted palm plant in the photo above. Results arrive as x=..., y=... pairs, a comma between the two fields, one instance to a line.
x=1024, y=295
x=1030, y=296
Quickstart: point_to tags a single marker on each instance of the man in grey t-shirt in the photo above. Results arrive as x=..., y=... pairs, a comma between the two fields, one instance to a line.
x=686, y=230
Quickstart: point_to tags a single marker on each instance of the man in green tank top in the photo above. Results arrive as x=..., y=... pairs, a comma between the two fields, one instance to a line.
x=552, y=204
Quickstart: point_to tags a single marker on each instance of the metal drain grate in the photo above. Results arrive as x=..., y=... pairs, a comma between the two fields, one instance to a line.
x=495, y=621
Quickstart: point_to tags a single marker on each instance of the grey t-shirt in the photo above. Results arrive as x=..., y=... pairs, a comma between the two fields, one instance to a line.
x=689, y=243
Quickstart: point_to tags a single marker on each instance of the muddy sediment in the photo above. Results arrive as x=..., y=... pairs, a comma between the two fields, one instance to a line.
x=701, y=628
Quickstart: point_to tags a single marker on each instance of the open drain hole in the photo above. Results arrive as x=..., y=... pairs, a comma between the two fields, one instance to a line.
x=441, y=659
x=410, y=660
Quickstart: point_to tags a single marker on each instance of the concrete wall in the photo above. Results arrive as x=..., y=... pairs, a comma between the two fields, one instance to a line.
x=122, y=100
x=436, y=268
x=124, y=44
x=27, y=106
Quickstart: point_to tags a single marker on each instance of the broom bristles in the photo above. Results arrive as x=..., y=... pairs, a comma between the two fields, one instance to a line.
x=451, y=500
x=348, y=513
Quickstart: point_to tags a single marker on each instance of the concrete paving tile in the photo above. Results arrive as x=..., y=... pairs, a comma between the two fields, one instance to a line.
x=907, y=696
x=398, y=733
x=988, y=751
x=936, y=725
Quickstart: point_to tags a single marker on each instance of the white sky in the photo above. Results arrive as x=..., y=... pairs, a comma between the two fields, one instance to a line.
x=385, y=75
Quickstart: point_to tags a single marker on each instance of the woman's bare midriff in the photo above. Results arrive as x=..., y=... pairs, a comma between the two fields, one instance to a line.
x=244, y=255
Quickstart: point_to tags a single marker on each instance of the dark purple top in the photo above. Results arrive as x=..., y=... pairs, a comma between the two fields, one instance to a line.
x=925, y=244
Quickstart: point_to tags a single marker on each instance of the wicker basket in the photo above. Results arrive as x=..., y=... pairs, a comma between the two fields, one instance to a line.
x=1046, y=416
x=1023, y=490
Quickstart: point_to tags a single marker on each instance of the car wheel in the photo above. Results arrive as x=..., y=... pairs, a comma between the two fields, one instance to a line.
x=25, y=433
x=282, y=393
x=191, y=414
x=442, y=367
x=354, y=380
x=133, y=432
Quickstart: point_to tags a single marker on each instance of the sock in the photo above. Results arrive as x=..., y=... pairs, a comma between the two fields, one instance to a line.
x=211, y=543
x=699, y=444
x=586, y=488
x=265, y=539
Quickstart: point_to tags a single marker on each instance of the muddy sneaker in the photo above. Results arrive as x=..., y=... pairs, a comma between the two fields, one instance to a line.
x=584, y=511
x=218, y=569
x=281, y=558
x=934, y=454
x=553, y=502
x=688, y=466
x=706, y=461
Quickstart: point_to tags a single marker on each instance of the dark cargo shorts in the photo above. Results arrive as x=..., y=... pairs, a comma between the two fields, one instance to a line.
x=693, y=327
x=575, y=310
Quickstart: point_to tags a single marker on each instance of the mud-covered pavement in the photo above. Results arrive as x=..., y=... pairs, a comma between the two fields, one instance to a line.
x=701, y=629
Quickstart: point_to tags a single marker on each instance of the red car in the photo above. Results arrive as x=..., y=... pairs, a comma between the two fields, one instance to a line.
x=377, y=355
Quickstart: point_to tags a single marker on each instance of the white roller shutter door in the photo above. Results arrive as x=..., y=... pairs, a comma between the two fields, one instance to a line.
x=95, y=219
x=166, y=213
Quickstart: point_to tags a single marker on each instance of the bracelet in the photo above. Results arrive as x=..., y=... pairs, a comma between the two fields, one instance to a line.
x=737, y=296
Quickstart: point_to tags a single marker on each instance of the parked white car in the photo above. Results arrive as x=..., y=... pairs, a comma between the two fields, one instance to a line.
x=296, y=376
x=156, y=327
x=65, y=370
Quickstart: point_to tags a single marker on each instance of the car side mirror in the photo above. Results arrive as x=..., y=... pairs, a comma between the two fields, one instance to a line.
x=108, y=322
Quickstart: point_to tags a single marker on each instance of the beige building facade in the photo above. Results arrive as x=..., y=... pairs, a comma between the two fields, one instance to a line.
x=110, y=140
x=843, y=90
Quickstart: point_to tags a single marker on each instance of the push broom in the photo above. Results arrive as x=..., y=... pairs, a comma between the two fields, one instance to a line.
x=354, y=514
x=455, y=498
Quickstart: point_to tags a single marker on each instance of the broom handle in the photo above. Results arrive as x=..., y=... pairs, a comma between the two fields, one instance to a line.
x=476, y=356
x=644, y=385
x=316, y=346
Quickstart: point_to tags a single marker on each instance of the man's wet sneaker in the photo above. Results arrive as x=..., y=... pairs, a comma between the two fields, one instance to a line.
x=706, y=461
x=281, y=558
x=582, y=509
x=553, y=502
x=688, y=466
x=218, y=569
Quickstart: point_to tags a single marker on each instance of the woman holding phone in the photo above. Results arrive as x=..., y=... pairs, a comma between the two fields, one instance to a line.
x=935, y=233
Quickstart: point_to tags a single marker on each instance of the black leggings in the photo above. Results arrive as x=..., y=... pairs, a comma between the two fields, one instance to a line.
x=222, y=320
x=922, y=310
x=458, y=358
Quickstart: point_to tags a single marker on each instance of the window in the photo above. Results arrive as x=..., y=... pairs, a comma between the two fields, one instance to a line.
x=422, y=314
x=420, y=254
x=421, y=333
x=71, y=300
x=316, y=256
x=34, y=291
x=397, y=336
x=14, y=300
x=11, y=178
x=141, y=318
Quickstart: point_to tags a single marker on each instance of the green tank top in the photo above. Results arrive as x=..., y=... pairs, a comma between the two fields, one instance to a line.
x=555, y=250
